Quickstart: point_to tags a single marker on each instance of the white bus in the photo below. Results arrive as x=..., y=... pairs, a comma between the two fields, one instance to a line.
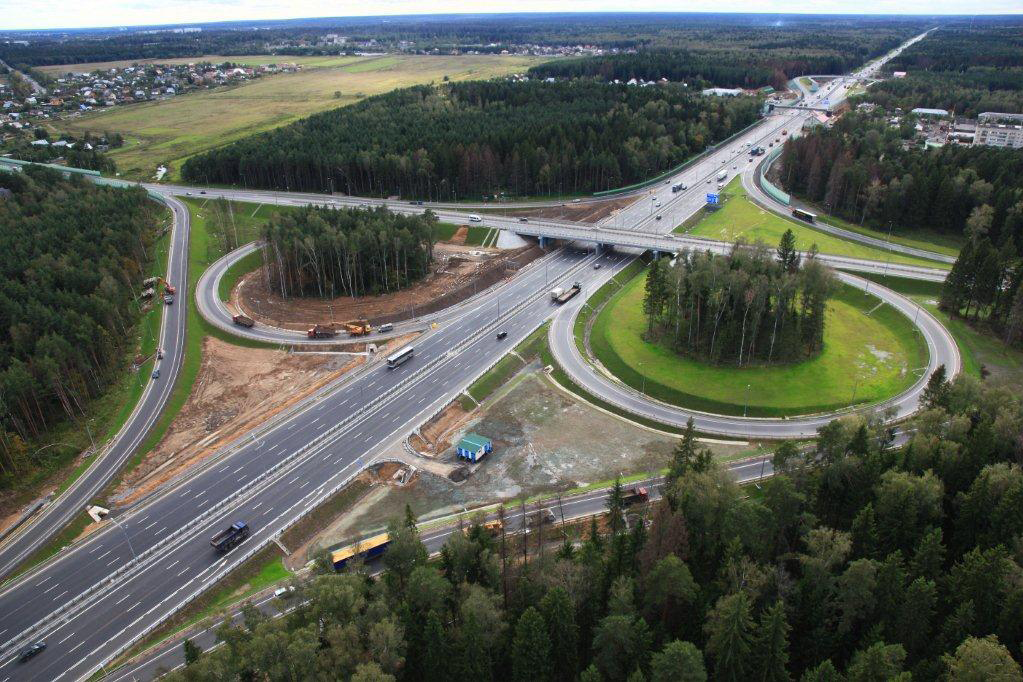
x=399, y=358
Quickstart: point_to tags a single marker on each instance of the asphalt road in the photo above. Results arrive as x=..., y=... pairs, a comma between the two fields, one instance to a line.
x=572, y=507
x=52, y=518
x=157, y=557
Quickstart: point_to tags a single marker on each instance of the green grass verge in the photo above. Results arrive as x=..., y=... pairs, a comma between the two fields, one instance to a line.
x=483, y=387
x=236, y=271
x=600, y=296
x=977, y=346
x=937, y=242
x=529, y=349
x=740, y=217
x=872, y=356
x=202, y=252
x=477, y=235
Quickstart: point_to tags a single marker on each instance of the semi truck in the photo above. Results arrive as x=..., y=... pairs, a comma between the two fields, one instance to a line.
x=560, y=295
x=243, y=321
x=637, y=495
x=358, y=327
x=229, y=538
x=678, y=187
x=321, y=331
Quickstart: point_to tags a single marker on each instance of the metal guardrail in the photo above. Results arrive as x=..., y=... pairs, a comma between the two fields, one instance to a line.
x=144, y=558
x=766, y=184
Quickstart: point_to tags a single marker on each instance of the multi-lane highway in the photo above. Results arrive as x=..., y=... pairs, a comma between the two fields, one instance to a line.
x=94, y=600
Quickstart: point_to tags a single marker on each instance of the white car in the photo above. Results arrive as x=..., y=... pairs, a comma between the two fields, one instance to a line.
x=284, y=592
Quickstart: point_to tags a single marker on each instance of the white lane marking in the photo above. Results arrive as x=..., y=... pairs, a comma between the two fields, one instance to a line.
x=60, y=595
x=267, y=511
x=44, y=580
x=303, y=485
x=183, y=572
x=170, y=566
x=77, y=646
x=121, y=599
x=102, y=555
x=238, y=469
x=113, y=561
x=51, y=588
x=201, y=493
x=98, y=546
x=70, y=635
x=151, y=525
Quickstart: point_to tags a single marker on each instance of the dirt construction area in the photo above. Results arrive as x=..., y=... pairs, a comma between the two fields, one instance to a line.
x=583, y=212
x=236, y=390
x=544, y=439
x=458, y=272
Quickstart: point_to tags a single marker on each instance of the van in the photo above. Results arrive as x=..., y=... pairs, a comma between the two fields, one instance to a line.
x=384, y=328
x=473, y=218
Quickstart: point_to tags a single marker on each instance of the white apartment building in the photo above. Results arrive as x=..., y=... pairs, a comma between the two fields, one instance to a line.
x=999, y=130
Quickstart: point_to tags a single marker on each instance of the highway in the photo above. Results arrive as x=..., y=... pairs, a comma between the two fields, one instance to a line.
x=93, y=600
x=35, y=533
x=170, y=656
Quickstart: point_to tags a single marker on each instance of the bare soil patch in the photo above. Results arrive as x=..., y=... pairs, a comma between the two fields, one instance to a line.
x=237, y=389
x=588, y=212
x=435, y=436
x=457, y=274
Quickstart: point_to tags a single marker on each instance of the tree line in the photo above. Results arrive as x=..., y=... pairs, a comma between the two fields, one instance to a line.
x=965, y=69
x=330, y=252
x=856, y=561
x=871, y=172
x=743, y=308
x=72, y=259
x=481, y=138
x=986, y=284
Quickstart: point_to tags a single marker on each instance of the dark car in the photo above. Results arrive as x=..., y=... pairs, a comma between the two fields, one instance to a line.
x=156, y=373
x=501, y=335
x=30, y=651
x=523, y=220
x=202, y=191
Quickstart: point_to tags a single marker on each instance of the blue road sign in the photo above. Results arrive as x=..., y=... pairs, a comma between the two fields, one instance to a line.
x=712, y=198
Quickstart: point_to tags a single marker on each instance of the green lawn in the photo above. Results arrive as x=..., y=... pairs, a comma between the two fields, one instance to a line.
x=976, y=346
x=937, y=242
x=873, y=356
x=498, y=375
x=740, y=217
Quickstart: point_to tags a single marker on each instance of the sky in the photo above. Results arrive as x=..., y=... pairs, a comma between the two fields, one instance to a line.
x=35, y=14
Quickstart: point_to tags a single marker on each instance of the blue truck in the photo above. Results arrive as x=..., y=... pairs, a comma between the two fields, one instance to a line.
x=228, y=539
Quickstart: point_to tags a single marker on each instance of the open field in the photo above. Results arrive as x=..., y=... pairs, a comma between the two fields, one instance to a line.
x=740, y=217
x=872, y=356
x=167, y=132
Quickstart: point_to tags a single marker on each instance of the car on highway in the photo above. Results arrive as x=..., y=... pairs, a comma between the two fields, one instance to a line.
x=385, y=327
x=657, y=205
x=31, y=651
x=596, y=266
x=202, y=191
x=156, y=373
x=284, y=592
x=501, y=335
x=658, y=216
x=575, y=201
x=523, y=220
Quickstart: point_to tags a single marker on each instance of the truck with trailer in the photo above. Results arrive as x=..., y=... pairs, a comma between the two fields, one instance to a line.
x=637, y=495
x=678, y=187
x=358, y=327
x=321, y=331
x=243, y=321
x=560, y=295
x=229, y=538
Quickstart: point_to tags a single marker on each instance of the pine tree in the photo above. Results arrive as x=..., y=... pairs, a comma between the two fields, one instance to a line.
x=935, y=393
x=728, y=627
x=687, y=456
x=771, y=645
x=787, y=254
x=678, y=662
x=559, y=615
x=436, y=665
x=531, y=648
x=192, y=651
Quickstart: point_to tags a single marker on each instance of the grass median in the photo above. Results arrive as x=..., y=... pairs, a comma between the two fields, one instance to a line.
x=871, y=352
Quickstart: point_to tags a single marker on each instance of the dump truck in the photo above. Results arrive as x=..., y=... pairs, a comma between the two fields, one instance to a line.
x=491, y=528
x=637, y=495
x=150, y=281
x=559, y=295
x=321, y=331
x=243, y=321
x=544, y=516
x=358, y=327
x=229, y=538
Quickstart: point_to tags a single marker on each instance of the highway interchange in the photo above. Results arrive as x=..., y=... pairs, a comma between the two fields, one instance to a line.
x=93, y=600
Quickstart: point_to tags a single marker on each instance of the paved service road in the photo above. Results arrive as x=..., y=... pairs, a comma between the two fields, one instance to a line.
x=96, y=598
x=572, y=507
x=35, y=533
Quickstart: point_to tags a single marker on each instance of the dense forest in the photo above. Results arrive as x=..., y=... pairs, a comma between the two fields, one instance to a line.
x=965, y=69
x=346, y=251
x=857, y=561
x=748, y=307
x=869, y=172
x=482, y=138
x=436, y=34
x=73, y=256
x=986, y=283
x=741, y=59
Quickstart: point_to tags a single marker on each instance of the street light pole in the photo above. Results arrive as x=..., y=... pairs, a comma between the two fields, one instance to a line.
x=745, y=405
x=126, y=537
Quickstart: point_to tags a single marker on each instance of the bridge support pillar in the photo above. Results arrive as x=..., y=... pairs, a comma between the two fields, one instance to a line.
x=543, y=242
